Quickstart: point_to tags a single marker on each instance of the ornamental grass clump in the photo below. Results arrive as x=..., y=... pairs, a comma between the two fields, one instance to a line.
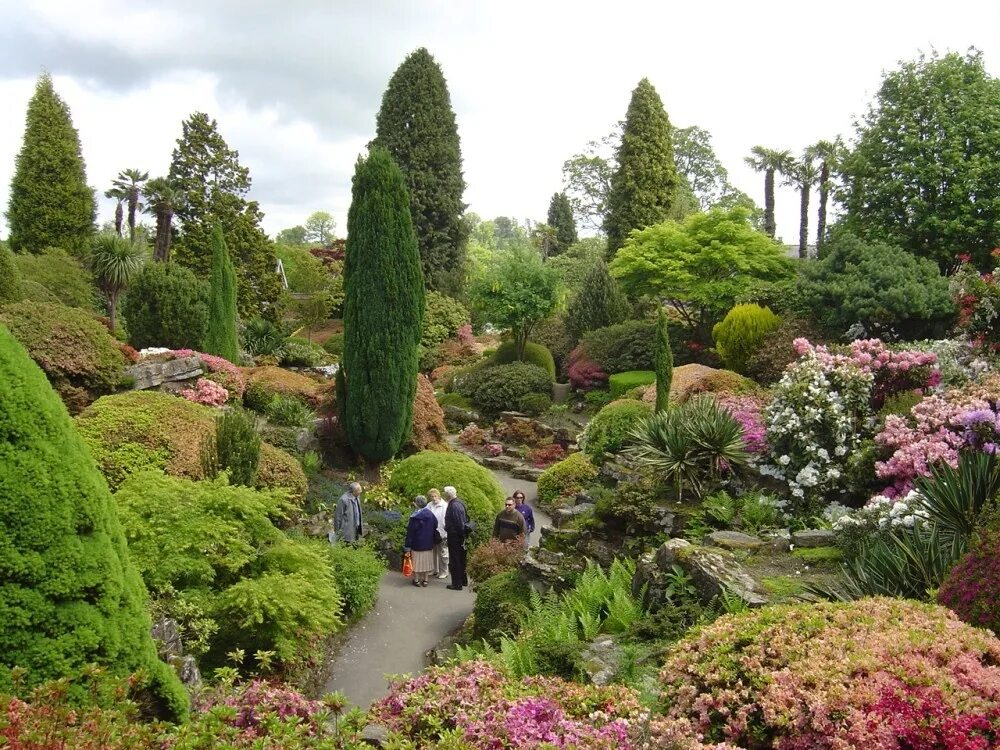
x=809, y=677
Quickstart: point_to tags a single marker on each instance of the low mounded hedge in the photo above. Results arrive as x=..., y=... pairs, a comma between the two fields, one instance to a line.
x=565, y=479
x=56, y=276
x=279, y=470
x=607, y=432
x=501, y=602
x=621, y=383
x=534, y=354
x=739, y=335
x=266, y=382
x=500, y=388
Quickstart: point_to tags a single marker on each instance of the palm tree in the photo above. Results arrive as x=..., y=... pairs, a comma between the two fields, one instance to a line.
x=114, y=261
x=119, y=195
x=802, y=175
x=130, y=181
x=829, y=154
x=163, y=198
x=769, y=161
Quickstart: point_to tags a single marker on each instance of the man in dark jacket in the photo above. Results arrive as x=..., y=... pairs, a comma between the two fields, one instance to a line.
x=456, y=526
x=510, y=525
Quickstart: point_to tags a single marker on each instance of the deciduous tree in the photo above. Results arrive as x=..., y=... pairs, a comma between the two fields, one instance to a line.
x=320, y=227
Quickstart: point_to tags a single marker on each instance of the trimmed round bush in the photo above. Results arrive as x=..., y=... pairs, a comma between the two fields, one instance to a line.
x=565, y=479
x=70, y=595
x=78, y=355
x=494, y=557
x=739, y=335
x=500, y=388
x=166, y=305
x=607, y=432
x=481, y=492
x=278, y=470
x=534, y=404
x=622, y=347
x=534, y=354
x=501, y=601
x=271, y=381
x=621, y=382
x=334, y=344
x=62, y=277
x=358, y=571
x=867, y=673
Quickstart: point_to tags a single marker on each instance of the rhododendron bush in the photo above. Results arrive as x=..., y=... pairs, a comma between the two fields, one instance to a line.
x=978, y=298
x=207, y=393
x=219, y=370
x=875, y=673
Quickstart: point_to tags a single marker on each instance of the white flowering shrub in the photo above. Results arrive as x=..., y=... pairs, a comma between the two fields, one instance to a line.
x=881, y=515
x=819, y=415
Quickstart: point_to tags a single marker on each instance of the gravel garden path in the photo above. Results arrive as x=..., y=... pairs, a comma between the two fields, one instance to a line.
x=405, y=623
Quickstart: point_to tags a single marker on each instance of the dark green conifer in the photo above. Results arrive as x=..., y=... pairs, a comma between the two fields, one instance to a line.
x=69, y=595
x=664, y=362
x=221, y=338
x=644, y=185
x=10, y=277
x=561, y=219
x=599, y=303
x=417, y=125
x=50, y=204
x=383, y=310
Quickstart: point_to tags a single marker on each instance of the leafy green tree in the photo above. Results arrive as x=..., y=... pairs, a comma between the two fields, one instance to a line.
x=574, y=265
x=383, y=310
x=10, y=277
x=50, y=203
x=70, y=595
x=215, y=187
x=166, y=305
x=829, y=154
x=221, y=338
x=130, y=181
x=699, y=166
x=701, y=265
x=599, y=303
x=115, y=261
x=644, y=184
x=163, y=198
x=292, y=236
x=561, y=219
x=515, y=293
x=320, y=228
x=802, y=174
x=587, y=179
x=417, y=125
x=923, y=174
x=664, y=362
x=769, y=161
x=883, y=288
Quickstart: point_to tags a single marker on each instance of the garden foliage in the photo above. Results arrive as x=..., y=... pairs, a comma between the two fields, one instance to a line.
x=443, y=316
x=622, y=382
x=220, y=337
x=609, y=430
x=622, y=347
x=565, y=479
x=53, y=275
x=533, y=354
x=235, y=447
x=358, y=571
x=166, y=305
x=598, y=303
x=501, y=604
x=494, y=557
x=500, y=388
x=10, y=277
x=664, y=374
x=560, y=218
x=739, y=335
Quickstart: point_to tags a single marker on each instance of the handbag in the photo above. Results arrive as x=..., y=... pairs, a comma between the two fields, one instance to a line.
x=407, y=565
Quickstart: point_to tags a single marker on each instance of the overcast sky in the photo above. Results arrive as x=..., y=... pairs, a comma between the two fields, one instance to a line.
x=295, y=85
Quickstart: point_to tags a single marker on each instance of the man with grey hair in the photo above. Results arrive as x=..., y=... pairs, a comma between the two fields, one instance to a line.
x=347, y=516
x=458, y=527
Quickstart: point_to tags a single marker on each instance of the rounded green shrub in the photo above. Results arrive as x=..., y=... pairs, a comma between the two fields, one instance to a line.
x=32, y=290
x=277, y=470
x=740, y=334
x=566, y=478
x=81, y=359
x=607, y=432
x=69, y=593
x=500, y=388
x=534, y=404
x=622, y=347
x=10, y=277
x=166, y=305
x=297, y=352
x=334, y=344
x=235, y=446
x=358, y=570
x=534, y=354
x=61, y=275
x=622, y=382
x=501, y=603
x=476, y=485
x=443, y=316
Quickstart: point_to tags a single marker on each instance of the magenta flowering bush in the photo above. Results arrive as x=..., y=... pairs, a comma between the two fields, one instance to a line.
x=835, y=675
x=220, y=370
x=493, y=449
x=493, y=711
x=972, y=588
x=748, y=411
x=257, y=703
x=207, y=393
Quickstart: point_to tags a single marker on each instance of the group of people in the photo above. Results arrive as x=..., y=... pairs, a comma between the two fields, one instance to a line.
x=437, y=530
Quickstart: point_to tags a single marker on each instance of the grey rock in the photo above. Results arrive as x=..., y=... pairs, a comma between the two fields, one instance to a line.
x=166, y=633
x=187, y=670
x=558, y=539
x=512, y=451
x=813, y=538
x=458, y=415
x=620, y=470
x=562, y=515
x=664, y=520
x=541, y=429
x=780, y=540
x=306, y=440
x=734, y=540
x=560, y=392
x=601, y=659
x=544, y=569
x=583, y=497
x=151, y=374
x=374, y=735
x=527, y=473
x=504, y=463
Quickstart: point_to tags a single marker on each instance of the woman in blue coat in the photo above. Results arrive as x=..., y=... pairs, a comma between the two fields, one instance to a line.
x=420, y=540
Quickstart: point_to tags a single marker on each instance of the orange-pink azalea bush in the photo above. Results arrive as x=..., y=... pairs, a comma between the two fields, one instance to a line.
x=877, y=673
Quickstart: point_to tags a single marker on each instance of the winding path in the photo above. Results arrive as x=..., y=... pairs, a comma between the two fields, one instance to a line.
x=405, y=623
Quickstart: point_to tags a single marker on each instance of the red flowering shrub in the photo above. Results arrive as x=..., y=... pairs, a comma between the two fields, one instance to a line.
x=546, y=455
x=583, y=372
x=808, y=677
x=978, y=298
x=130, y=353
x=972, y=589
x=493, y=557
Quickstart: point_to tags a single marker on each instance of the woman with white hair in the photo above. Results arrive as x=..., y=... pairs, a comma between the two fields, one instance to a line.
x=420, y=540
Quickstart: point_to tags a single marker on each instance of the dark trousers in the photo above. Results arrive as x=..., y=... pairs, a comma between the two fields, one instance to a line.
x=456, y=562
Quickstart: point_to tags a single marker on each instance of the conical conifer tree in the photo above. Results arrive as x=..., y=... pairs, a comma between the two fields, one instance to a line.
x=417, y=125
x=599, y=303
x=50, y=203
x=69, y=595
x=383, y=310
x=561, y=219
x=221, y=339
x=10, y=276
x=664, y=362
x=644, y=185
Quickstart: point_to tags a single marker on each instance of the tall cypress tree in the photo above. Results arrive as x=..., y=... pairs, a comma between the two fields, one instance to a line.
x=644, y=185
x=10, y=277
x=599, y=303
x=561, y=219
x=50, y=204
x=69, y=595
x=417, y=125
x=221, y=339
x=664, y=362
x=383, y=310
x=214, y=185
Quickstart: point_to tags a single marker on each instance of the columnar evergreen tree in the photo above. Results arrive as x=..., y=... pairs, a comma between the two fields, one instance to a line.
x=383, y=310
x=10, y=277
x=644, y=186
x=664, y=362
x=69, y=595
x=221, y=339
x=561, y=219
x=599, y=303
x=214, y=185
x=417, y=125
x=50, y=204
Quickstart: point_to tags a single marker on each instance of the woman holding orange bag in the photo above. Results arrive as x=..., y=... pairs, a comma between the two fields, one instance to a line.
x=419, y=542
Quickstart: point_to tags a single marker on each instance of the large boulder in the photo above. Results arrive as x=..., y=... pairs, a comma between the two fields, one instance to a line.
x=690, y=380
x=151, y=374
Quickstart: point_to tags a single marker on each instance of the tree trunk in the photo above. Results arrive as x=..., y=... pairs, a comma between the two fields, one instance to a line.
x=804, y=221
x=824, y=190
x=119, y=214
x=133, y=202
x=113, y=310
x=769, y=226
x=161, y=246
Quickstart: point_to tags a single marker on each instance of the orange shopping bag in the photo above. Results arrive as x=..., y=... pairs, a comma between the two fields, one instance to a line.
x=407, y=565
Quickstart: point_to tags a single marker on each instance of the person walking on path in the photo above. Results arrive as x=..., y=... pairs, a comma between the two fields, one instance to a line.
x=420, y=540
x=509, y=525
x=457, y=527
x=347, y=516
x=529, y=516
x=438, y=507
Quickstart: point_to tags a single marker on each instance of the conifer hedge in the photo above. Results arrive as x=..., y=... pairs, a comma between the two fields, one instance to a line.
x=221, y=338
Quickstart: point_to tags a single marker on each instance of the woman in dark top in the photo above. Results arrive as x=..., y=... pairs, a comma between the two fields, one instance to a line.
x=420, y=540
